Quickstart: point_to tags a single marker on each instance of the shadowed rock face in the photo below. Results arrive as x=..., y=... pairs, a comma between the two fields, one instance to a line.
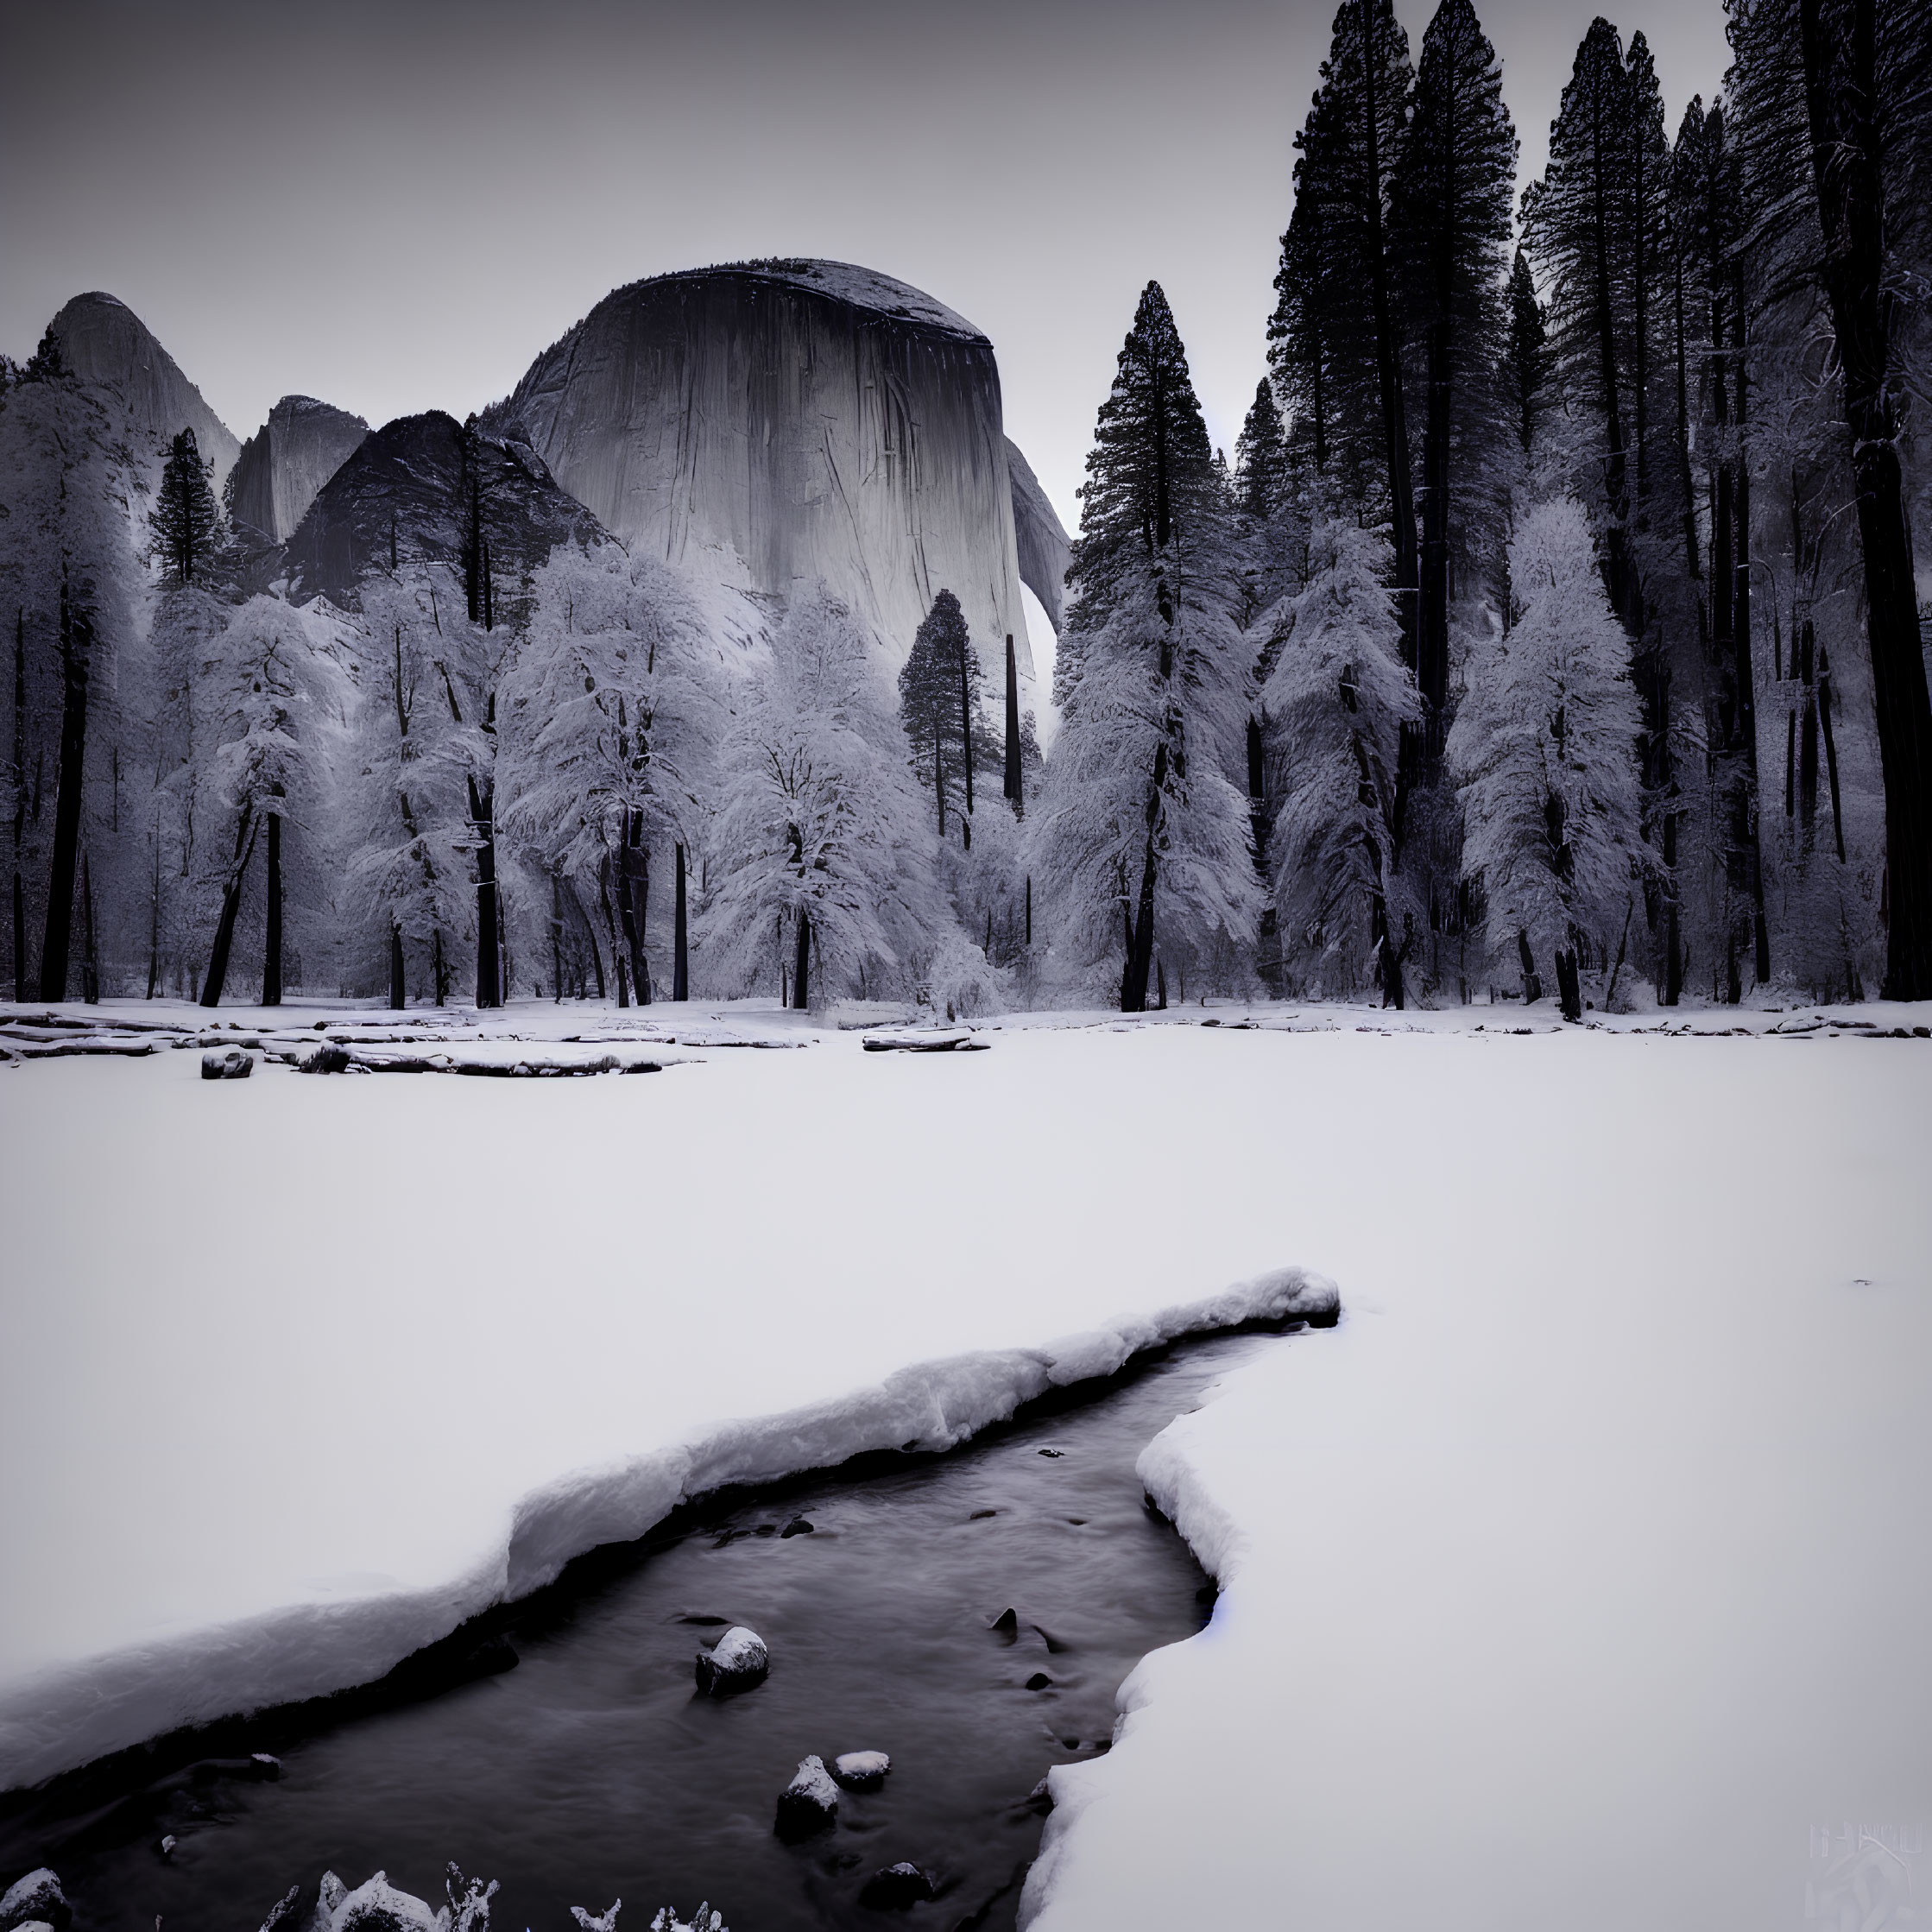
x=1044, y=552
x=769, y=423
x=104, y=341
x=406, y=484
x=283, y=466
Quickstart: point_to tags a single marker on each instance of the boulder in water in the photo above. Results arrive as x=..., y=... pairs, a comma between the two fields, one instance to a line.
x=227, y=1063
x=897, y=1887
x=861, y=1771
x=809, y=1803
x=738, y=1662
x=374, y=1906
x=35, y=1899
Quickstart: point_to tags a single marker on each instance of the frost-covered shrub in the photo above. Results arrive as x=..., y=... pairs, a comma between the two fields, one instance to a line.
x=961, y=983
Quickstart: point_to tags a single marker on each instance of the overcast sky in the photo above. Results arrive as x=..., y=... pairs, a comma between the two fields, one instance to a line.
x=393, y=207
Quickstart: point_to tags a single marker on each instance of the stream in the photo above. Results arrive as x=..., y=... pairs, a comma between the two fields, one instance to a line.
x=594, y=1770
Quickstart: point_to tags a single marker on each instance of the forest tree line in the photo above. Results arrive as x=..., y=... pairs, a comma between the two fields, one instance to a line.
x=1555, y=629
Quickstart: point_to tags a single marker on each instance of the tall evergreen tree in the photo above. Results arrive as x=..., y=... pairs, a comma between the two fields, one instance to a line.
x=940, y=687
x=1141, y=825
x=1577, y=228
x=1337, y=700
x=1258, y=457
x=1450, y=220
x=1524, y=350
x=184, y=521
x=1846, y=74
x=1339, y=322
x=1545, y=748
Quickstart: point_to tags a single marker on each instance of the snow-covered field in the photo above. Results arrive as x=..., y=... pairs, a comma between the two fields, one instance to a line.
x=1574, y=1580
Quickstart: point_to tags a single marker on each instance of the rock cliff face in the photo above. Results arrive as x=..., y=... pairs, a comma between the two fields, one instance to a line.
x=1044, y=552
x=104, y=341
x=772, y=422
x=283, y=466
x=406, y=485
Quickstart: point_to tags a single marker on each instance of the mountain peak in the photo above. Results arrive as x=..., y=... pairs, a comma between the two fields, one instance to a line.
x=104, y=341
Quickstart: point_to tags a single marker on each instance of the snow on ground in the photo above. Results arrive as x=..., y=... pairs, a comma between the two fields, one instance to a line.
x=1574, y=1578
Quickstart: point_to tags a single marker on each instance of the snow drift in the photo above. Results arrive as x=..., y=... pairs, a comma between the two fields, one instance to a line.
x=70, y=1715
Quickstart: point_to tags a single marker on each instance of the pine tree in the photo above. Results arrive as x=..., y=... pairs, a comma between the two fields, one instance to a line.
x=1546, y=751
x=1140, y=822
x=1339, y=322
x=185, y=522
x=1577, y=229
x=1258, y=457
x=1525, y=354
x=1450, y=224
x=939, y=697
x=1857, y=71
x=1337, y=701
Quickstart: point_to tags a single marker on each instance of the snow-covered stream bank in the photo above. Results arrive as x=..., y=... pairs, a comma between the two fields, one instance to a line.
x=1582, y=1575
x=592, y=1771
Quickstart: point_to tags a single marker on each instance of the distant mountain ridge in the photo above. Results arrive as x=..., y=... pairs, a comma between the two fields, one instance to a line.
x=761, y=425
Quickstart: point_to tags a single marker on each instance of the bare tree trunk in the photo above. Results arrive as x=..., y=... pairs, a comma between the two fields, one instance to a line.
x=1839, y=41
x=271, y=949
x=20, y=801
x=801, y=964
x=77, y=636
x=154, y=918
x=680, y=962
x=610, y=932
x=90, y=959
x=1014, y=785
x=398, y=992
x=1532, y=986
x=966, y=743
x=230, y=905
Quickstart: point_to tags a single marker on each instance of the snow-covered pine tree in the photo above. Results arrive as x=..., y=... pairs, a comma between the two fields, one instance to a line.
x=1545, y=747
x=610, y=724
x=1337, y=703
x=820, y=836
x=1140, y=831
x=185, y=522
x=939, y=706
x=267, y=687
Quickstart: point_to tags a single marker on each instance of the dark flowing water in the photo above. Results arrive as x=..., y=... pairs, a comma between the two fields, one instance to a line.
x=593, y=1770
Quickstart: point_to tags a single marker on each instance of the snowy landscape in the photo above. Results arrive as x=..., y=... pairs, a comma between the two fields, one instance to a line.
x=1200, y=1201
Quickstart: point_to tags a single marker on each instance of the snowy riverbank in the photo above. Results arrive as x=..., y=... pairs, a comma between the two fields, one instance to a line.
x=1578, y=1563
